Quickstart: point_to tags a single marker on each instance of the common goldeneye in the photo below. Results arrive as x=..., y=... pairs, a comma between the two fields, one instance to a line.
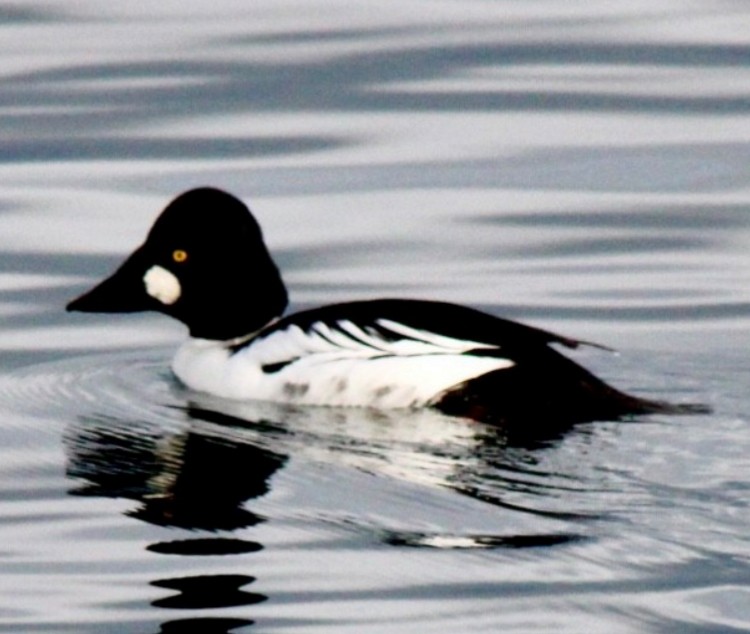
x=204, y=263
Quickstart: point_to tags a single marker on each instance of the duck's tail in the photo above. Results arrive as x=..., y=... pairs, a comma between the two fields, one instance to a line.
x=555, y=390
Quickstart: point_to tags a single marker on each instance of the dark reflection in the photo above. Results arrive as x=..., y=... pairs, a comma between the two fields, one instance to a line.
x=208, y=591
x=205, y=625
x=209, y=489
x=201, y=478
x=200, y=474
x=210, y=546
x=455, y=542
x=491, y=495
x=186, y=480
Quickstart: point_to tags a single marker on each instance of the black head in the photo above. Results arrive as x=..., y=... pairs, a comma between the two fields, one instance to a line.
x=204, y=262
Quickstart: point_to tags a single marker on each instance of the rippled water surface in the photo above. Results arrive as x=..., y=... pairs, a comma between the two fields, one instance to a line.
x=579, y=167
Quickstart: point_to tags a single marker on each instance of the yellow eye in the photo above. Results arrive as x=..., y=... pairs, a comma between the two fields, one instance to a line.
x=179, y=256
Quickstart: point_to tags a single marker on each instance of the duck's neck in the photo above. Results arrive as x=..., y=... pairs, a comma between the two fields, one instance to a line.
x=239, y=342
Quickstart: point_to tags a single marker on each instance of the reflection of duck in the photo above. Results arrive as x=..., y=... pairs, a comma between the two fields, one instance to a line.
x=189, y=480
x=204, y=262
x=199, y=478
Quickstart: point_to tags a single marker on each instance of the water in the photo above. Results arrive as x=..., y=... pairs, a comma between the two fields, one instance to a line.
x=582, y=168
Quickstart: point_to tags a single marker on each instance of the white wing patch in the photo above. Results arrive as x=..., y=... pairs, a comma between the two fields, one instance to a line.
x=341, y=363
x=439, y=341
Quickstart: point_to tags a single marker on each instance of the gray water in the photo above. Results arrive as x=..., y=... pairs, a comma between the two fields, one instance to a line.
x=583, y=167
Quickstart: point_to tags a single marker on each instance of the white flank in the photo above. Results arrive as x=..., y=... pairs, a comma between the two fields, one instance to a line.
x=162, y=285
x=337, y=364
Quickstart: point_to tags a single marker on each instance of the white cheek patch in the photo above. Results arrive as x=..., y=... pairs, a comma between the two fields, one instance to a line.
x=162, y=285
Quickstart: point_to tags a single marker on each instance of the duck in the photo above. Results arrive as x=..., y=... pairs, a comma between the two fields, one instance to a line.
x=205, y=263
